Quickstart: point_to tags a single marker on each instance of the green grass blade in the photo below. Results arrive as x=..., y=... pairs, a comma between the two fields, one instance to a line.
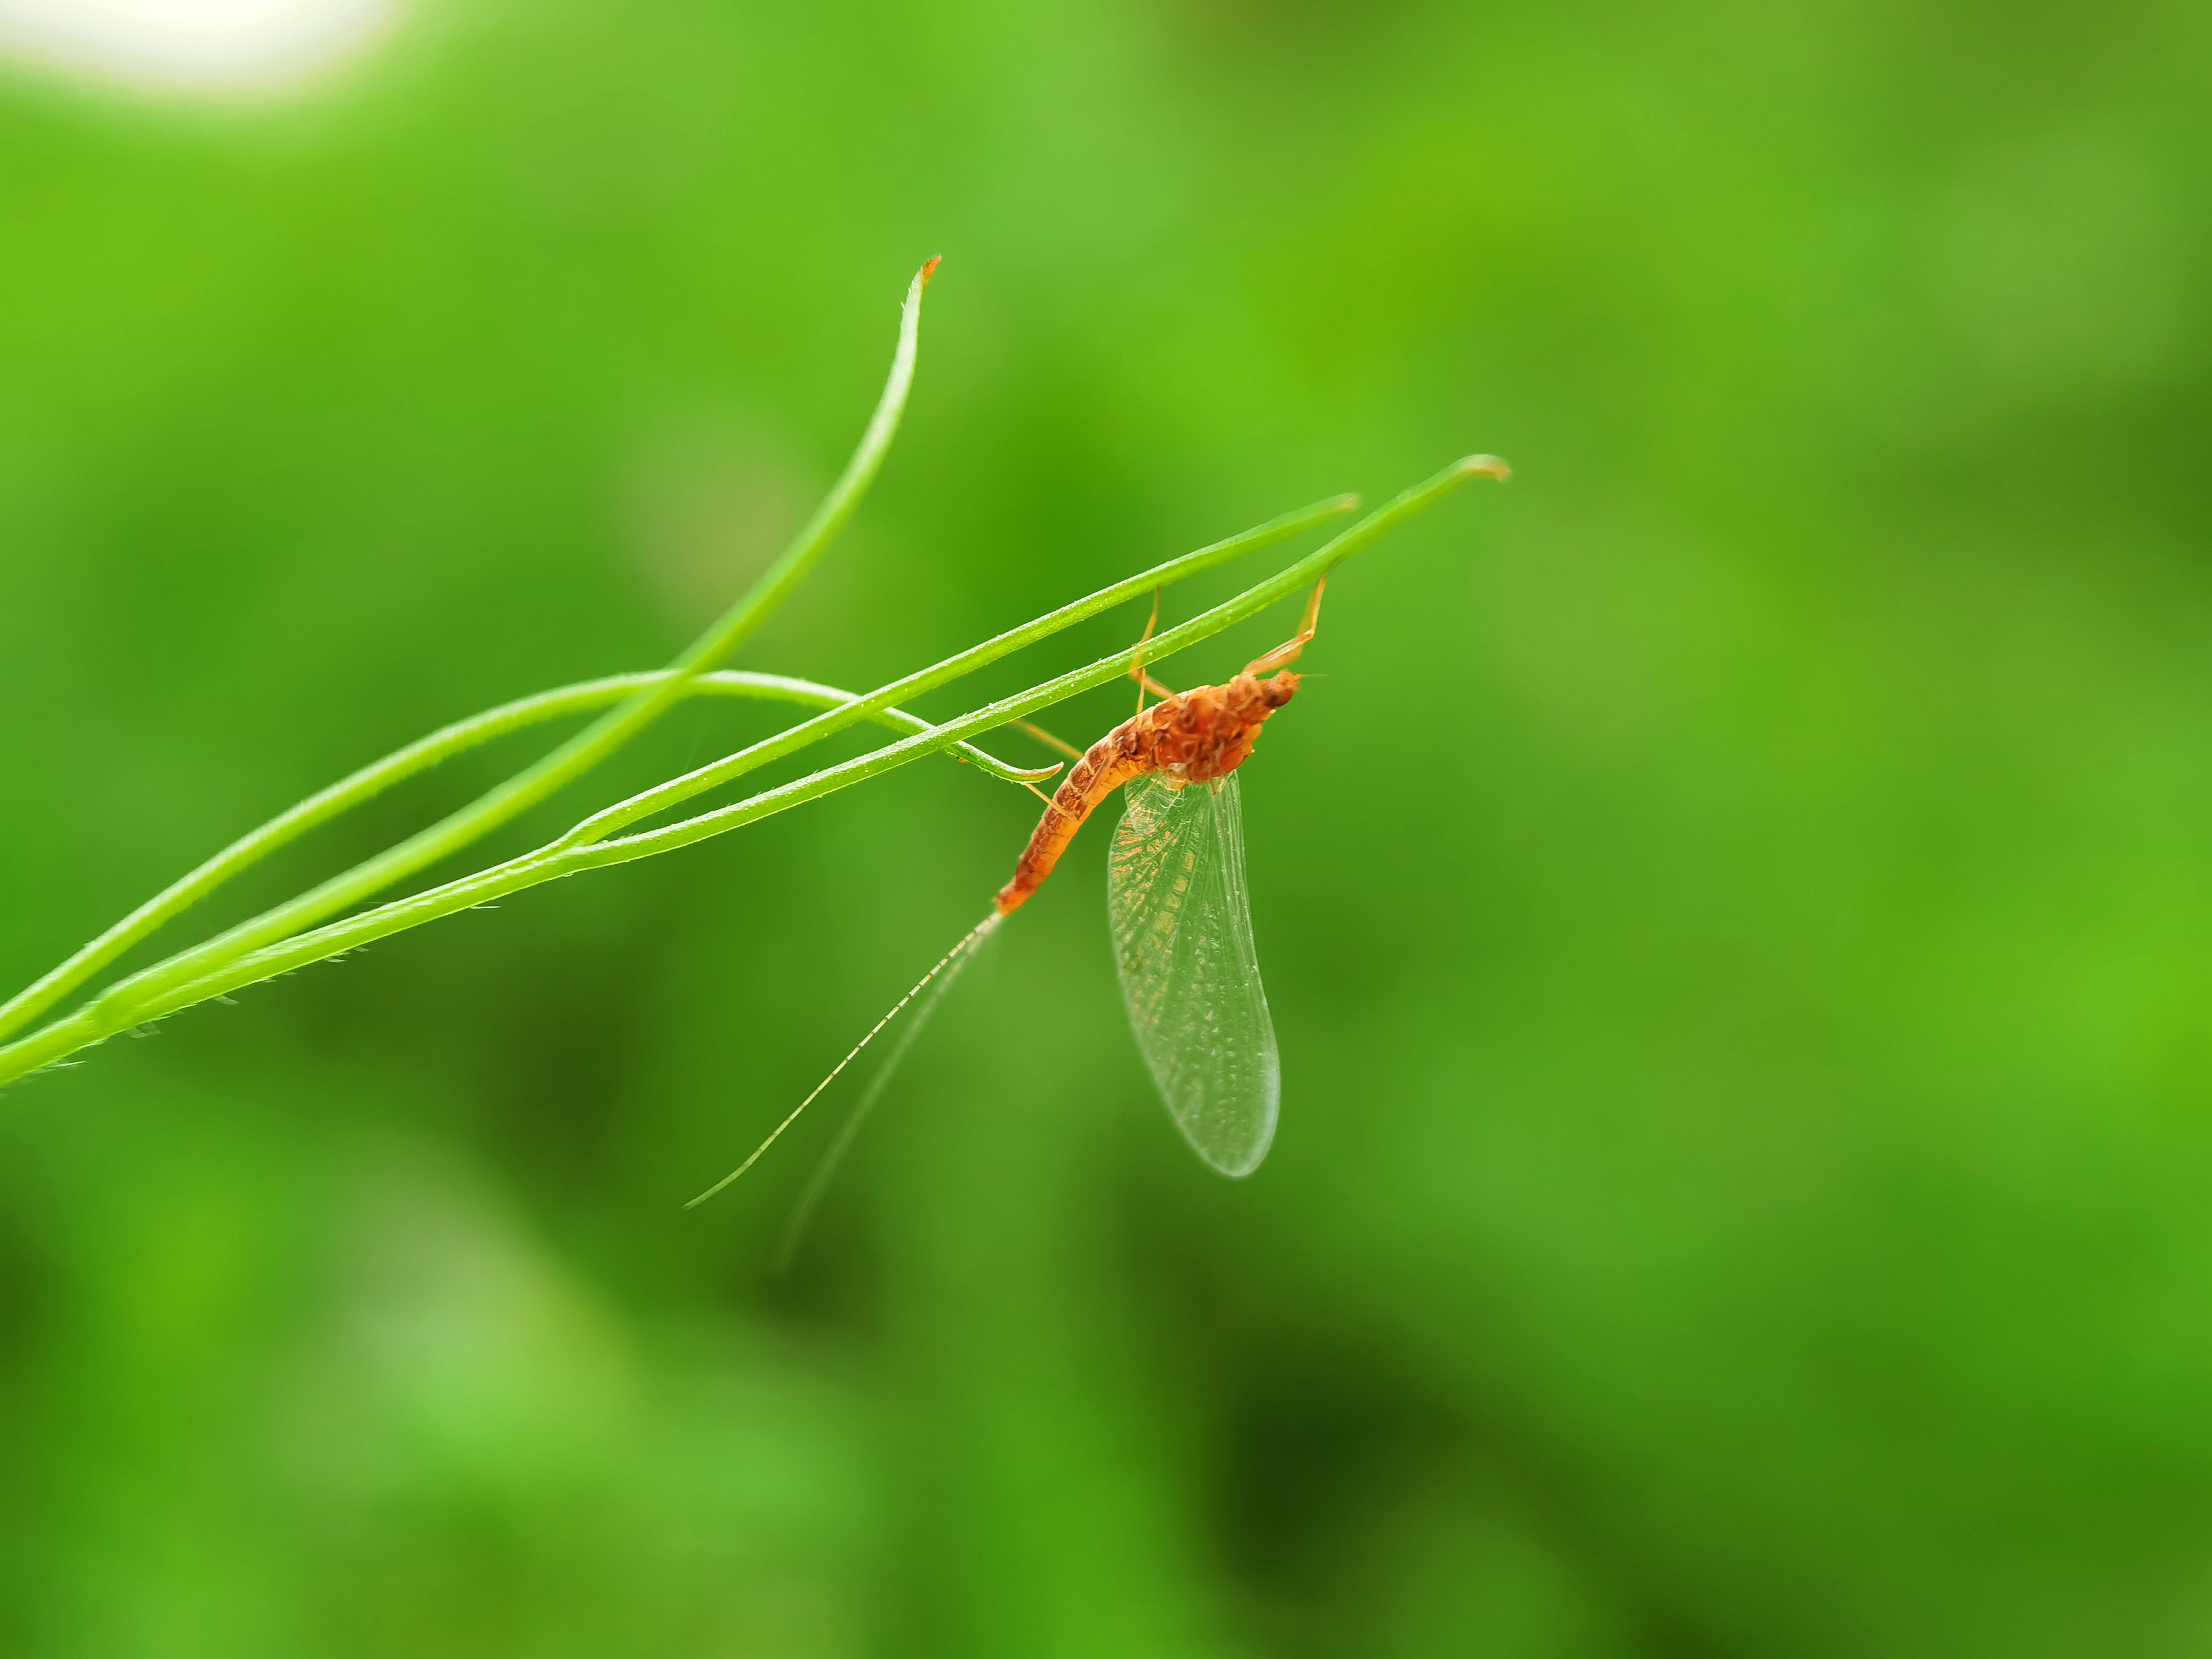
x=420, y=756
x=145, y=998
x=593, y=744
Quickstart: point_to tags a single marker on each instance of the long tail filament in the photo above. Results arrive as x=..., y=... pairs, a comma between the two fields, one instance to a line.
x=974, y=936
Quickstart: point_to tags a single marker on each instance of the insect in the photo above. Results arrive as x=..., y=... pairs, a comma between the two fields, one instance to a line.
x=1176, y=900
x=1175, y=896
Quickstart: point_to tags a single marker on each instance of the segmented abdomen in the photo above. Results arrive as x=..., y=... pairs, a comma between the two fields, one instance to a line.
x=1110, y=763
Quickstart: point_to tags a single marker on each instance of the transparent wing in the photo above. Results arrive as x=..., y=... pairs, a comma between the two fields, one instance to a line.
x=1182, y=937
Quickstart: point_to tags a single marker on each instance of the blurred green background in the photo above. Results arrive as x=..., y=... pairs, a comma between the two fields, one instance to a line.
x=1737, y=902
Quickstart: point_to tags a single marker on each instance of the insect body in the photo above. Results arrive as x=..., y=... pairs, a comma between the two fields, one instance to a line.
x=1175, y=888
x=1175, y=899
x=1192, y=737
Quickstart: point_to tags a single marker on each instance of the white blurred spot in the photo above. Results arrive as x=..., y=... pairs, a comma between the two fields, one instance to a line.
x=193, y=45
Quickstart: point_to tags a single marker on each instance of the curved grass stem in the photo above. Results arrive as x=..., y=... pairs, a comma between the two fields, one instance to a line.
x=581, y=753
x=441, y=745
x=194, y=977
x=661, y=796
x=261, y=931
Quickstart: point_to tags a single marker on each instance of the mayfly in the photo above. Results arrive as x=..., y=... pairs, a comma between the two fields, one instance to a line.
x=1174, y=894
x=1175, y=900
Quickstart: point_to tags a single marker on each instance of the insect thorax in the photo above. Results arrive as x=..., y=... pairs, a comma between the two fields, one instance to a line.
x=1209, y=732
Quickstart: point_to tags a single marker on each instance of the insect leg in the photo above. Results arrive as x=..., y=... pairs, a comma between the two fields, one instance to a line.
x=1146, y=682
x=1287, y=652
x=1050, y=741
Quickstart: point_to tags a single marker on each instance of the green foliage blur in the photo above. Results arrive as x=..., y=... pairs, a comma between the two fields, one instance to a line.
x=1737, y=902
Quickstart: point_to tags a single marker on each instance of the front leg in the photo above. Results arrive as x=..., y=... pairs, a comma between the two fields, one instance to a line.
x=1287, y=652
